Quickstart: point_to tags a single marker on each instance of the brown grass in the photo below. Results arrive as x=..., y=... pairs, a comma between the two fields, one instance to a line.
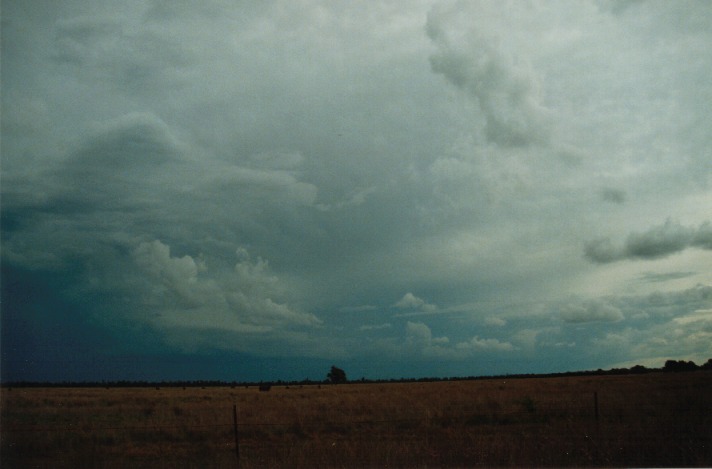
x=661, y=419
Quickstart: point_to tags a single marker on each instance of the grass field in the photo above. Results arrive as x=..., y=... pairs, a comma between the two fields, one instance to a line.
x=658, y=419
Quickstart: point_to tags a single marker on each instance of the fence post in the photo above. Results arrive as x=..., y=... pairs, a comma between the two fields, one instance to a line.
x=237, y=441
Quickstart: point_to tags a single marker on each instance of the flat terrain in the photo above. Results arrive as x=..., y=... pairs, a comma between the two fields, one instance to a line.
x=657, y=419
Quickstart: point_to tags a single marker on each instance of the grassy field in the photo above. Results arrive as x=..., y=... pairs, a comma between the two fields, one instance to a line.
x=659, y=419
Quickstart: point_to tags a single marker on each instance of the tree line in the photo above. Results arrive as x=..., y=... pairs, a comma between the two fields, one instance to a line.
x=338, y=376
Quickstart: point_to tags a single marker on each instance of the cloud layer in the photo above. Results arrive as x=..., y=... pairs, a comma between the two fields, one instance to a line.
x=437, y=188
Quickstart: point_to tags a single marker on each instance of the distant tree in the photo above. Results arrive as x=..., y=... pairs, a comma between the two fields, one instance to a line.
x=681, y=365
x=707, y=365
x=336, y=376
x=672, y=366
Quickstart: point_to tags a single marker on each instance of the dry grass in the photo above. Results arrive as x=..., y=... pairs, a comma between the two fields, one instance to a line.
x=644, y=420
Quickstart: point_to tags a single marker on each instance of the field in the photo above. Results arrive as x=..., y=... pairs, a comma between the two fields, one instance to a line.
x=657, y=419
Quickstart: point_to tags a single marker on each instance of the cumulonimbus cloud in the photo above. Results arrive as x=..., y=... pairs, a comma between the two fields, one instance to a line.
x=658, y=242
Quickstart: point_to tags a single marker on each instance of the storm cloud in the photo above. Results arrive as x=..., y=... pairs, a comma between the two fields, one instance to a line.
x=397, y=189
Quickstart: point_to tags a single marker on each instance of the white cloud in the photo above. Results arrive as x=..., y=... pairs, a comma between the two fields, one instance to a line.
x=418, y=334
x=527, y=338
x=375, y=327
x=699, y=316
x=477, y=344
x=412, y=302
x=175, y=273
x=241, y=301
x=357, y=309
x=591, y=311
x=495, y=321
x=420, y=338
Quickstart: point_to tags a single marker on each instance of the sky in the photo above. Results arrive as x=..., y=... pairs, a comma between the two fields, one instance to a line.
x=240, y=190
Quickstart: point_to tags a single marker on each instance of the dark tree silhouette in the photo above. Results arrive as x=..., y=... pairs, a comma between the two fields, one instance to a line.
x=336, y=375
x=677, y=366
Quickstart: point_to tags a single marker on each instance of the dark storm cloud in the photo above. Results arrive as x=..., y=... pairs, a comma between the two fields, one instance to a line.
x=658, y=242
x=125, y=163
x=95, y=195
x=132, y=180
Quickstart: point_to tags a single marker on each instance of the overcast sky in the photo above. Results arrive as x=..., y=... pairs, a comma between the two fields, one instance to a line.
x=247, y=190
